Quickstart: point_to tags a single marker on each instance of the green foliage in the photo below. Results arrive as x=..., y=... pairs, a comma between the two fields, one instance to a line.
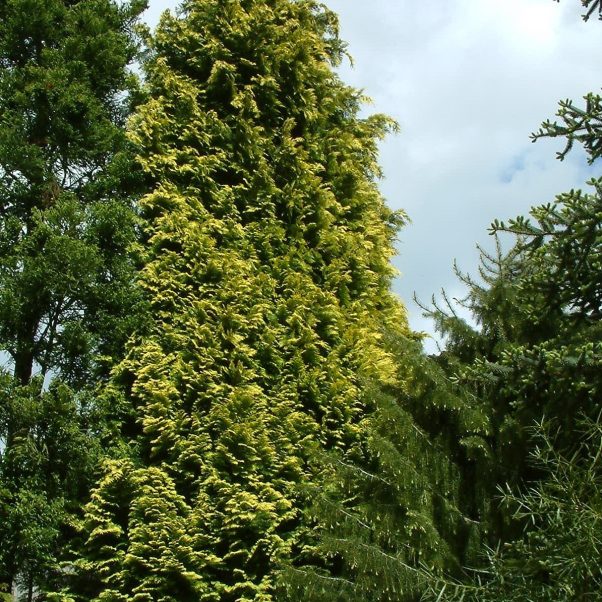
x=160, y=562
x=558, y=555
x=536, y=349
x=65, y=224
x=405, y=505
x=577, y=125
x=534, y=357
x=267, y=272
x=45, y=470
x=66, y=280
x=565, y=259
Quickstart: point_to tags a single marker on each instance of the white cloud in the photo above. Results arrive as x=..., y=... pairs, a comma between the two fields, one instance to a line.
x=468, y=81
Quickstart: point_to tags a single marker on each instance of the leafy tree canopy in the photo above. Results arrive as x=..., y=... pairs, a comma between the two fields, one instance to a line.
x=66, y=294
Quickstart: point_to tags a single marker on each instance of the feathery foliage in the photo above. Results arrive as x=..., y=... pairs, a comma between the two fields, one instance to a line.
x=407, y=507
x=267, y=273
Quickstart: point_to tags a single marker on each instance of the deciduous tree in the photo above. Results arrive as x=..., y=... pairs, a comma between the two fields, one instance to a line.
x=66, y=221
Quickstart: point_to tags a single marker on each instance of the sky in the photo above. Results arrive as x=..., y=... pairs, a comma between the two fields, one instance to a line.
x=467, y=81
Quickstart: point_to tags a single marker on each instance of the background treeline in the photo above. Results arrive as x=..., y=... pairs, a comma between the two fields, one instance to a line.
x=210, y=392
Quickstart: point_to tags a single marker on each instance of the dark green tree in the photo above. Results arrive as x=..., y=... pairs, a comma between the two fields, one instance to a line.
x=535, y=358
x=408, y=505
x=267, y=272
x=535, y=350
x=557, y=557
x=66, y=280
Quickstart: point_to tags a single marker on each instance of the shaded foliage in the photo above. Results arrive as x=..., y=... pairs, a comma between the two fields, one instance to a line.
x=558, y=555
x=408, y=504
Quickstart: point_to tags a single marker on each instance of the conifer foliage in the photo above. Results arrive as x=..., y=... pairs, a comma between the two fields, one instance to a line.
x=267, y=272
x=535, y=360
x=406, y=509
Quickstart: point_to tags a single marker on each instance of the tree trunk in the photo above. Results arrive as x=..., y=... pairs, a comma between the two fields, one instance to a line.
x=24, y=356
x=30, y=590
x=23, y=366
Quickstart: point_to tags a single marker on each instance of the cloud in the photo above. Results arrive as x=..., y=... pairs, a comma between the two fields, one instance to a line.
x=468, y=81
x=516, y=165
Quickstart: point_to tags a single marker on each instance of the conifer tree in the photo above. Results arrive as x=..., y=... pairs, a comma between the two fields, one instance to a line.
x=542, y=367
x=535, y=360
x=557, y=556
x=535, y=351
x=66, y=282
x=267, y=273
x=407, y=511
